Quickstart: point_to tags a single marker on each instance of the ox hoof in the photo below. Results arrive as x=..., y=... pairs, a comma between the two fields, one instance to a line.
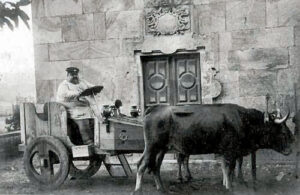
x=162, y=191
x=241, y=181
x=139, y=192
x=175, y=189
x=179, y=180
x=189, y=178
x=168, y=192
x=158, y=192
x=254, y=183
x=229, y=187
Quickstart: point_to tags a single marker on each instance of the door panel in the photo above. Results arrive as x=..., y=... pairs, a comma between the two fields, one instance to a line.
x=156, y=81
x=171, y=80
x=187, y=78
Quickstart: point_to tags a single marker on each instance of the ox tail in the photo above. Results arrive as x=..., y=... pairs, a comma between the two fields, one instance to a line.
x=160, y=146
x=152, y=161
x=140, y=160
x=149, y=159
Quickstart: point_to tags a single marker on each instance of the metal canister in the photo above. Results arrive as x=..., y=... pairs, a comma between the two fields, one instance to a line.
x=134, y=111
x=106, y=111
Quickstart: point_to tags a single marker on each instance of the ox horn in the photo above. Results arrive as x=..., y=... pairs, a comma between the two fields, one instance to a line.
x=279, y=121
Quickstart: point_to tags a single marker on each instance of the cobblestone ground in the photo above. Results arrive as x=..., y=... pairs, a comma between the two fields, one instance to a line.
x=272, y=180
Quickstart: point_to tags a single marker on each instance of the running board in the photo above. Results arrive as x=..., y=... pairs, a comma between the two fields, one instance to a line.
x=118, y=166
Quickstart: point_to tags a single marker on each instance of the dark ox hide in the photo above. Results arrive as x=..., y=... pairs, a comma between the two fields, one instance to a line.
x=183, y=160
x=226, y=129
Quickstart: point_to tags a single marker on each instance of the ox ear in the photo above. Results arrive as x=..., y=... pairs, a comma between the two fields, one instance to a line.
x=281, y=120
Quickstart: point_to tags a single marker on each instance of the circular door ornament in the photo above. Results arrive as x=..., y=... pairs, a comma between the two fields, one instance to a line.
x=157, y=82
x=187, y=80
x=216, y=88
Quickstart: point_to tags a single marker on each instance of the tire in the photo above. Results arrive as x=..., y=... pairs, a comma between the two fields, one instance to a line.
x=89, y=171
x=46, y=162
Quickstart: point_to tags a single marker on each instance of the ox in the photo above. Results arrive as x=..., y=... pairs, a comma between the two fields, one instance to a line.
x=229, y=130
x=184, y=159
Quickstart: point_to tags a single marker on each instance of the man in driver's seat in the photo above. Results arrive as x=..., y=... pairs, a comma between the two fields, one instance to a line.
x=78, y=108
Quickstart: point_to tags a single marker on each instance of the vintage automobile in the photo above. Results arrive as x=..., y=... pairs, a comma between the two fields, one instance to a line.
x=51, y=150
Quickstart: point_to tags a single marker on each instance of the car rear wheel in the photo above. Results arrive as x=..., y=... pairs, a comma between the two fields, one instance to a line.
x=46, y=162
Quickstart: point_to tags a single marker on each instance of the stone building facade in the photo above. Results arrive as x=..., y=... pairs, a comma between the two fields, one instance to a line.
x=249, y=47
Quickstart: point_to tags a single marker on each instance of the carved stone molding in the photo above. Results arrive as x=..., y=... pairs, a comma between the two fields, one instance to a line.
x=168, y=17
x=161, y=3
x=169, y=44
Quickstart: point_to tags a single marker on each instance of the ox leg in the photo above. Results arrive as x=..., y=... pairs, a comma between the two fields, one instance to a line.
x=253, y=169
x=187, y=169
x=180, y=158
x=240, y=171
x=228, y=172
x=142, y=165
x=225, y=172
x=156, y=172
x=253, y=165
x=231, y=166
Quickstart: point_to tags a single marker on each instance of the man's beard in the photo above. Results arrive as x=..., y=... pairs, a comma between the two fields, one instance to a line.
x=75, y=80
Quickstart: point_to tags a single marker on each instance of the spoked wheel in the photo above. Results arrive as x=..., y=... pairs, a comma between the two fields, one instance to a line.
x=84, y=169
x=46, y=162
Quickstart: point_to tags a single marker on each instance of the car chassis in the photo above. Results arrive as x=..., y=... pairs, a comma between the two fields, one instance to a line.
x=50, y=155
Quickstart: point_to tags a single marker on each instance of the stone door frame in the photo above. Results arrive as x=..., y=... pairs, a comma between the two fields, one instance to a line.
x=138, y=54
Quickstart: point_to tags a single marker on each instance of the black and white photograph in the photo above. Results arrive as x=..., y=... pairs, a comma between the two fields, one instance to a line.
x=150, y=97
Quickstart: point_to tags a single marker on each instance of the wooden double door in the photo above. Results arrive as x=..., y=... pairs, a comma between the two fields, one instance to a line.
x=172, y=79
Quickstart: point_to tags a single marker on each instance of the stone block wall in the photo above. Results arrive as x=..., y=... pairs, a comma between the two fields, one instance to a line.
x=254, y=44
x=255, y=49
x=98, y=37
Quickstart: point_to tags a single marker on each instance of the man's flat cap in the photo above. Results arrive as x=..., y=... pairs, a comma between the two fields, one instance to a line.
x=73, y=70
